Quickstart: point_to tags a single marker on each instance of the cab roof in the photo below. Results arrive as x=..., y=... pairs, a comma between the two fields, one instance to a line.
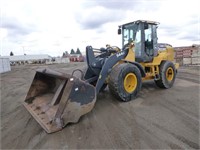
x=143, y=21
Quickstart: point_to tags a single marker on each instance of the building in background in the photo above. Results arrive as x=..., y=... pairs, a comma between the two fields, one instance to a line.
x=4, y=65
x=76, y=56
x=28, y=59
x=61, y=60
x=188, y=55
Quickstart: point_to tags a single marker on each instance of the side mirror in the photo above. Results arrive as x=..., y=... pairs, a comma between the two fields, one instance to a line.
x=119, y=31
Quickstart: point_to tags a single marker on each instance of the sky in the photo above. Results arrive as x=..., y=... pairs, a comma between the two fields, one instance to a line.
x=55, y=26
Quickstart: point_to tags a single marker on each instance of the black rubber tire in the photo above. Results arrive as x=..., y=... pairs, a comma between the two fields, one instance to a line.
x=116, y=79
x=163, y=82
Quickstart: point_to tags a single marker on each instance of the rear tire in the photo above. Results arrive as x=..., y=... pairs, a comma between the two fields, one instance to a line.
x=125, y=82
x=167, y=75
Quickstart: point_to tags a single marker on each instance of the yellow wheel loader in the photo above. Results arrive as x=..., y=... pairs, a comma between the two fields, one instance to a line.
x=56, y=99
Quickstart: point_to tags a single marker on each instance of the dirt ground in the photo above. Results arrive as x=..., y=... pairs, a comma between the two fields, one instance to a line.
x=157, y=119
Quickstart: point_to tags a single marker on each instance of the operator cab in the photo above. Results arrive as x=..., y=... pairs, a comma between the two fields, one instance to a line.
x=144, y=35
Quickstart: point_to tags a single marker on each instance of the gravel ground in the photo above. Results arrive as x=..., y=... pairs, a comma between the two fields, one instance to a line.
x=157, y=119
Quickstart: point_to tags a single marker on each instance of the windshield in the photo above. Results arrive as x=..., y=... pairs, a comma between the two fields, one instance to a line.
x=130, y=32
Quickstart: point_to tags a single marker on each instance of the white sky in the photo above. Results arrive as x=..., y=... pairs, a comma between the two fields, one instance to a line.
x=54, y=26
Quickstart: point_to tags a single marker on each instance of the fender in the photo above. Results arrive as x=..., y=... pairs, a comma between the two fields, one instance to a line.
x=142, y=71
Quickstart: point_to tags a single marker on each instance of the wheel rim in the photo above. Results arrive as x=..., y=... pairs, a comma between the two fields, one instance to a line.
x=130, y=82
x=170, y=74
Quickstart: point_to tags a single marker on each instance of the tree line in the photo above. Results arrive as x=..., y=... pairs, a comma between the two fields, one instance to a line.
x=65, y=54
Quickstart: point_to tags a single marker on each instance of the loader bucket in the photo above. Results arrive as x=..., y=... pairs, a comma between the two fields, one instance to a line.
x=56, y=99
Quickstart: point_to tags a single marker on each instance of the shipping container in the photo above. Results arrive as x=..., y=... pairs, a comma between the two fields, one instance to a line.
x=187, y=61
x=187, y=51
x=178, y=56
x=196, y=60
x=4, y=65
x=187, y=55
x=196, y=53
x=179, y=61
x=61, y=60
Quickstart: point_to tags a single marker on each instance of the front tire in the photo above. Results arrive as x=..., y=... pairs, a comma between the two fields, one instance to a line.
x=125, y=81
x=167, y=75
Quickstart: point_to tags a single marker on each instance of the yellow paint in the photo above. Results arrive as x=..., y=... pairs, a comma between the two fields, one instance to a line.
x=157, y=60
x=151, y=72
x=176, y=65
x=130, y=82
x=148, y=77
x=131, y=53
x=152, y=68
x=167, y=54
x=169, y=74
x=170, y=53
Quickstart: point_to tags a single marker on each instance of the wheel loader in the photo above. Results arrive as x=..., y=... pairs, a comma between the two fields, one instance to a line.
x=56, y=98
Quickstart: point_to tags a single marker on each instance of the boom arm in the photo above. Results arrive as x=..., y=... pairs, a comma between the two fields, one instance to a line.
x=98, y=68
